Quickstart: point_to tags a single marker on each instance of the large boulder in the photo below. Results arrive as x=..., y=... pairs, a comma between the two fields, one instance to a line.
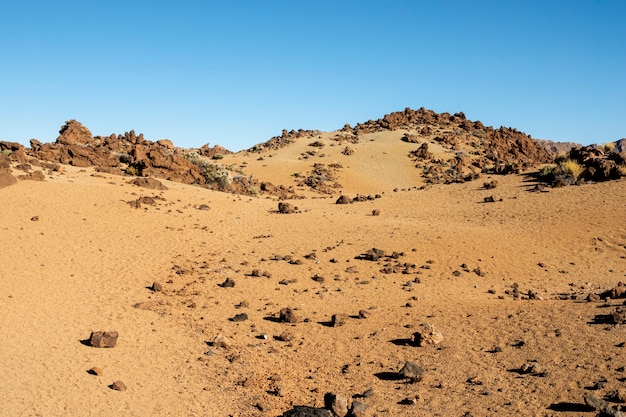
x=73, y=132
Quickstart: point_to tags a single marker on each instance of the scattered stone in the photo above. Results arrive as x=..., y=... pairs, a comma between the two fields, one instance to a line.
x=286, y=208
x=618, y=316
x=221, y=341
x=489, y=199
x=287, y=315
x=375, y=212
x=118, y=386
x=363, y=314
x=204, y=207
x=228, y=283
x=358, y=409
x=318, y=278
x=602, y=406
x=285, y=336
x=304, y=411
x=368, y=393
x=156, y=287
x=428, y=335
x=373, y=254
x=95, y=371
x=34, y=219
x=338, y=320
x=239, y=317
x=103, y=339
x=343, y=199
x=412, y=371
x=531, y=368
x=336, y=403
x=490, y=185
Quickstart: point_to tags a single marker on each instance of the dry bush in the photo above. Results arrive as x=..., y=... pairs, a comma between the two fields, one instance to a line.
x=572, y=168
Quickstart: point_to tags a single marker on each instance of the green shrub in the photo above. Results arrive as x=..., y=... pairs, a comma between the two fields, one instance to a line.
x=218, y=156
x=6, y=152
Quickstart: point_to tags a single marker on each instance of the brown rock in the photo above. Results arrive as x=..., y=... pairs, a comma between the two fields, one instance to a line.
x=412, y=371
x=343, y=199
x=428, y=335
x=95, y=371
x=358, y=409
x=74, y=132
x=338, y=320
x=336, y=403
x=118, y=386
x=103, y=339
x=150, y=183
x=6, y=179
x=286, y=208
x=287, y=315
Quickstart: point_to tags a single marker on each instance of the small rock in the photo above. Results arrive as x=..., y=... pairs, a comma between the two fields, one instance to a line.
x=228, y=283
x=358, y=409
x=363, y=314
x=338, y=320
x=34, y=219
x=531, y=368
x=304, y=411
x=375, y=212
x=428, y=335
x=593, y=298
x=368, y=393
x=103, y=339
x=95, y=371
x=156, y=287
x=336, y=403
x=285, y=336
x=221, y=341
x=118, y=386
x=239, y=317
x=412, y=371
x=287, y=315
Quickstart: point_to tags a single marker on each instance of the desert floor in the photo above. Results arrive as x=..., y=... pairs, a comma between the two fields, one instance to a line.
x=77, y=258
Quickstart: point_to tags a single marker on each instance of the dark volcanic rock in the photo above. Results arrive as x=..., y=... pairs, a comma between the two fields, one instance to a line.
x=304, y=411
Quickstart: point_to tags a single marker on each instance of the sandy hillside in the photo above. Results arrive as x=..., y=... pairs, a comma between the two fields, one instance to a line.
x=78, y=258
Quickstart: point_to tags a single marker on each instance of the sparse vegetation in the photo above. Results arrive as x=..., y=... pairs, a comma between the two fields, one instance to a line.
x=212, y=173
x=218, y=156
x=6, y=152
x=131, y=170
x=571, y=167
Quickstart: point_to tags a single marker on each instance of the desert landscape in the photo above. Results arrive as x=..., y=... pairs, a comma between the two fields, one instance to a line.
x=418, y=264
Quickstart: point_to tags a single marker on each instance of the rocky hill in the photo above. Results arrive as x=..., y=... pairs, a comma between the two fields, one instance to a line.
x=422, y=147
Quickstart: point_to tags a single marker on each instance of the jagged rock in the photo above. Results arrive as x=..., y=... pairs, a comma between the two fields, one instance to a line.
x=32, y=176
x=373, y=254
x=427, y=335
x=228, y=283
x=103, y=339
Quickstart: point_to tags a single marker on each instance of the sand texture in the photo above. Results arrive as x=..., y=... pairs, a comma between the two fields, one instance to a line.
x=504, y=282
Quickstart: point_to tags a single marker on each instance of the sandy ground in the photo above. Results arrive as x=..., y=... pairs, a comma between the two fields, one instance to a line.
x=77, y=258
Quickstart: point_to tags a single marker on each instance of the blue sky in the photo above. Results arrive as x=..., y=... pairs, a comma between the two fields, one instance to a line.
x=235, y=73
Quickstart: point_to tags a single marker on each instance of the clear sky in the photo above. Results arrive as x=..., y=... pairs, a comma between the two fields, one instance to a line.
x=236, y=73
